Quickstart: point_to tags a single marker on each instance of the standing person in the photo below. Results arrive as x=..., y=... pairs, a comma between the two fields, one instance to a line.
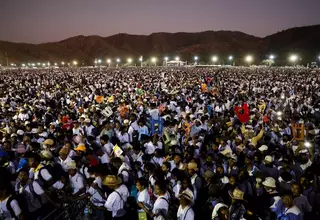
x=76, y=179
x=185, y=211
x=161, y=205
x=288, y=210
x=9, y=207
x=116, y=201
x=143, y=195
x=237, y=209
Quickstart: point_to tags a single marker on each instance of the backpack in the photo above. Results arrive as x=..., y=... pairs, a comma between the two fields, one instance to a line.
x=9, y=207
x=172, y=210
x=56, y=171
x=130, y=182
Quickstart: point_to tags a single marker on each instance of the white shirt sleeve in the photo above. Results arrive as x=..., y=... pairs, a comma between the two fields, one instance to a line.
x=16, y=208
x=37, y=188
x=45, y=174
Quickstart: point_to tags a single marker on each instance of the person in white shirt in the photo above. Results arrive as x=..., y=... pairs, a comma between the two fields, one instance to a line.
x=77, y=130
x=9, y=207
x=107, y=145
x=104, y=157
x=76, y=179
x=63, y=158
x=143, y=194
x=117, y=199
x=185, y=211
x=161, y=205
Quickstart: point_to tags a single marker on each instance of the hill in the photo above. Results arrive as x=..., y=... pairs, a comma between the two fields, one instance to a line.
x=302, y=40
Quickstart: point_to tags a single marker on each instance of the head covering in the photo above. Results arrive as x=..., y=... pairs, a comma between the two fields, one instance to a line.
x=268, y=159
x=263, y=148
x=187, y=194
x=46, y=154
x=34, y=131
x=64, y=151
x=22, y=163
x=81, y=147
x=20, y=132
x=72, y=165
x=236, y=194
x=87, y=120
x=192, y=166
x=269, y=182
x=208, y=174
x=216, y=209
x=111, y=180
x=48, y=142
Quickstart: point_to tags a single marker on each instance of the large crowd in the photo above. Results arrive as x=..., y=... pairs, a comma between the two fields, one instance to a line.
x=161, y=143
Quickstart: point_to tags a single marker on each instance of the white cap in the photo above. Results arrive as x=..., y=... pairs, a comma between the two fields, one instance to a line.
x=268, y=158
x=20, y=132
x=263, y=148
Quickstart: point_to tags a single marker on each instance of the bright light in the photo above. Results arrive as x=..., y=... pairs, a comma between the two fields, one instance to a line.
x=23, y=65
x=196, y=58
x=214, y=58
x=282, y=96
x=99, y=61
x=43, y=64
x=75, y=63
x=153, y=59
x=33, y=64
x=166, y=58
x=293, y=58
x=48, y=64
x=62, y=63
x=55, y=64
x=28, y=64
x=279, y=113
x=12, y=64
x=307, y=144
x=271, y=57
x=177, y=58
x=249, y=59
x=108, y=61
x=319, y=57
x=39, y=64
x=230, y=58
x=129, y=60
x=118, y=60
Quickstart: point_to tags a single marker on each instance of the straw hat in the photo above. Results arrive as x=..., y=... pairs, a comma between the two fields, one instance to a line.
x=112, y=180
x=46, y=154
x=48, y=142
x=263, y=148
x=268, y=159
x=64, y=151
x=237, y=194
x=269, y=182
x=193, y=166
x=72, y=165
x=186, y=194
x=208, y=174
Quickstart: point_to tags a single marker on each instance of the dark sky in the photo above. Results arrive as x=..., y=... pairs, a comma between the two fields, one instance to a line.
x=37, y=21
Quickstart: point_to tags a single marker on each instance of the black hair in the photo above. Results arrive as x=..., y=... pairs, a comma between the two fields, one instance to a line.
x=143, y=182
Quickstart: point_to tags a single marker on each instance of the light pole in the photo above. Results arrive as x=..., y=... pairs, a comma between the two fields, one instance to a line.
x=141, y=60
x=196, y=59
x=249, y=59
x=293, y=58
x=166, y=59
x=154, y=60
x=214, y=59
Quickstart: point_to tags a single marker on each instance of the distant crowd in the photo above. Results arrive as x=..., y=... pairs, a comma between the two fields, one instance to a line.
x=160, y=143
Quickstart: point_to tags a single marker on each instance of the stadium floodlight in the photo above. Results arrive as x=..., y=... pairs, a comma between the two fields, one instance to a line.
x=230, y=57
x=129, y=60
x=249, y=59
x=44, y=64
x=48, y=63
x=154, y=60
x=33, y=64
x=55, y=64
x=214, y=59
x=39, y=64
x=196, y=58
x=108, y=61
x=118, y=60
x=271, y=57
x=23, y=65
x=166, y=58
x=293, y=58
x=75, y=63
x=62, y=63
x=99, y=61
x=177, y=58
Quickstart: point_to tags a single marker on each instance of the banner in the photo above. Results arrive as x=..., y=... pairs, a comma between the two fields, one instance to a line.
x=297, y=131
x=117, y=151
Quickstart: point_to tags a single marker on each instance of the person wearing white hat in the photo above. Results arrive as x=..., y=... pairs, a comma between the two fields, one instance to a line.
x=268, y=169
x=217, y=208
x=185, y=208
x=76, y=179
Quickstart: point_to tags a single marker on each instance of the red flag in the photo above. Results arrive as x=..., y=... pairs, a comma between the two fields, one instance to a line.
x=243, y=113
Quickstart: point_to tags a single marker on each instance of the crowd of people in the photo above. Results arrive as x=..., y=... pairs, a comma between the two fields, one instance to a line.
x=161, y=143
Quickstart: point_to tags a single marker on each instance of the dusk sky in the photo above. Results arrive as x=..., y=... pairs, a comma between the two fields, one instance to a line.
x=38, y=21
